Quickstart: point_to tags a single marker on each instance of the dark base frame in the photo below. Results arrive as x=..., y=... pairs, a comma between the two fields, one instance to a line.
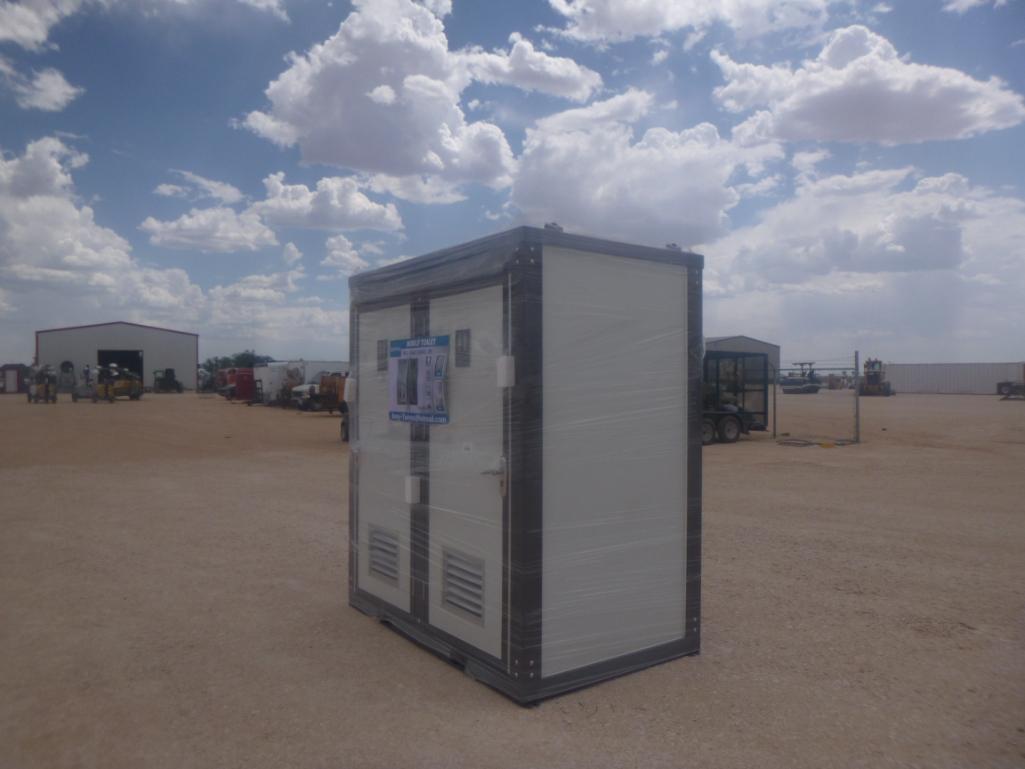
x=522, y=690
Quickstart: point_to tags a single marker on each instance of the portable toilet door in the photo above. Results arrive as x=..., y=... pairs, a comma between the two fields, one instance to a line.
x=447, y=378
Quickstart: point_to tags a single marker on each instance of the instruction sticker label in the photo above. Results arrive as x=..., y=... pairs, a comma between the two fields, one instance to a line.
x=417, y=370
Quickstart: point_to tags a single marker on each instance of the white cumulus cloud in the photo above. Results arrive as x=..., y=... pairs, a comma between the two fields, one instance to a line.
x=198, y=187
x=336, y=203
x=586, y=169
x=619, y=20
x=529, y=69
x=383, y=96
x=321, y=102
x=291, y=254
x=342, y=258
x=28, y=22
x=880, y=259
x=55, y=255
x=962, y=6
x=45, y=90
x=216, y=230
x=420, y=188
x=859, y=90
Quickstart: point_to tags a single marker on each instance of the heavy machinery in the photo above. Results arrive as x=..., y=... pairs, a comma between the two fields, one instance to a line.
x=128, y=385
x=43, y=385
x=805, y=382
x=324, y=394
x=736, y=395
x=80, y=386
x=165, y=381
x=113, y=382
x=103, y=388
x=874, y=381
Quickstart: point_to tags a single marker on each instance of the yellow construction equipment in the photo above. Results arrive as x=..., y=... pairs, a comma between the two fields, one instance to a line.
x=874, y=381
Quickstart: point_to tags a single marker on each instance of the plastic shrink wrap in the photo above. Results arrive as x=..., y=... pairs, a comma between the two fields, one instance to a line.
x=525, y=480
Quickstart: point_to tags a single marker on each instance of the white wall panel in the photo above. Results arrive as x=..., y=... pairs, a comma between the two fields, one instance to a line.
x=951, y=378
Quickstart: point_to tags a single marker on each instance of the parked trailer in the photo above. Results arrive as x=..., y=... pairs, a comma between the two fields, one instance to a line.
x=245, y=386
x=736, y=395
x=270, y=378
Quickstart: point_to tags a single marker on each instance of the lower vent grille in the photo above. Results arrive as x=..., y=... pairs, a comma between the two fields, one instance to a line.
x=463, y=584
x=384, y=554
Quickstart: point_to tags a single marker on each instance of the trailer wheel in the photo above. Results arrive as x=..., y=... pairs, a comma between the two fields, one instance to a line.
x=729, y=429
x=1004, y=388
x=707, y=431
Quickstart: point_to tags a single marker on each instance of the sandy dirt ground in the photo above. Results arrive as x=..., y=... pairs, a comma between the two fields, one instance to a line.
x=173, y=593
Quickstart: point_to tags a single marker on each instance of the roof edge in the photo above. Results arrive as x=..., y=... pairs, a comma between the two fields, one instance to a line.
x=117, y=323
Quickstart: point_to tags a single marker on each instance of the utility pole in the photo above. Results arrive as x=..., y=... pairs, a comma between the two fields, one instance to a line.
x=857, y=399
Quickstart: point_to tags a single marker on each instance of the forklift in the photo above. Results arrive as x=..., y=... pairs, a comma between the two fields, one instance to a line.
x=804, y=382
x=112, y=382
x=874, y=383
x=165, y=381
x=43, y=386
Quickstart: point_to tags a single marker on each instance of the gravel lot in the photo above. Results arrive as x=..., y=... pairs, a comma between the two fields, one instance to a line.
x=173, y=589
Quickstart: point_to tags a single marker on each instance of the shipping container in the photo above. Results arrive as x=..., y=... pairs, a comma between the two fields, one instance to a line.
x=950, y=378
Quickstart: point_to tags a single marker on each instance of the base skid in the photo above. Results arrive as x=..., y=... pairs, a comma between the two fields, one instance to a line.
x=525, y=692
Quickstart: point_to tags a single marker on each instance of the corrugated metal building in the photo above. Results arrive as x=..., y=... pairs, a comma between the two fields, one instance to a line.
x=951, y=378
x=741, y=343
x=141, y=349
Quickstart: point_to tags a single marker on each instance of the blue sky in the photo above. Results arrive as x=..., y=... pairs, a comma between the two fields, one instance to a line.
x=852, y=171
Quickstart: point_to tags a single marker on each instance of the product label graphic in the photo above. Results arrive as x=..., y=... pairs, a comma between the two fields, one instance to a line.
x=416, y=380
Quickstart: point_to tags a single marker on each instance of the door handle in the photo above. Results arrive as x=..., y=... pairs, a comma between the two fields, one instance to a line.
x=501, y=472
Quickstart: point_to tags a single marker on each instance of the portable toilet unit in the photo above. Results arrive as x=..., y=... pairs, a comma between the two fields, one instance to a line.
x=525, y=478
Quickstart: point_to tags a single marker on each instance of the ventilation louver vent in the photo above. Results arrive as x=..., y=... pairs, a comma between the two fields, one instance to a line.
x=463, y=584
x=384, y=554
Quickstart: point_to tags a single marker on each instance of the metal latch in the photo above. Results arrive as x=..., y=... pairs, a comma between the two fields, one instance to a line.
x=501, y=470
